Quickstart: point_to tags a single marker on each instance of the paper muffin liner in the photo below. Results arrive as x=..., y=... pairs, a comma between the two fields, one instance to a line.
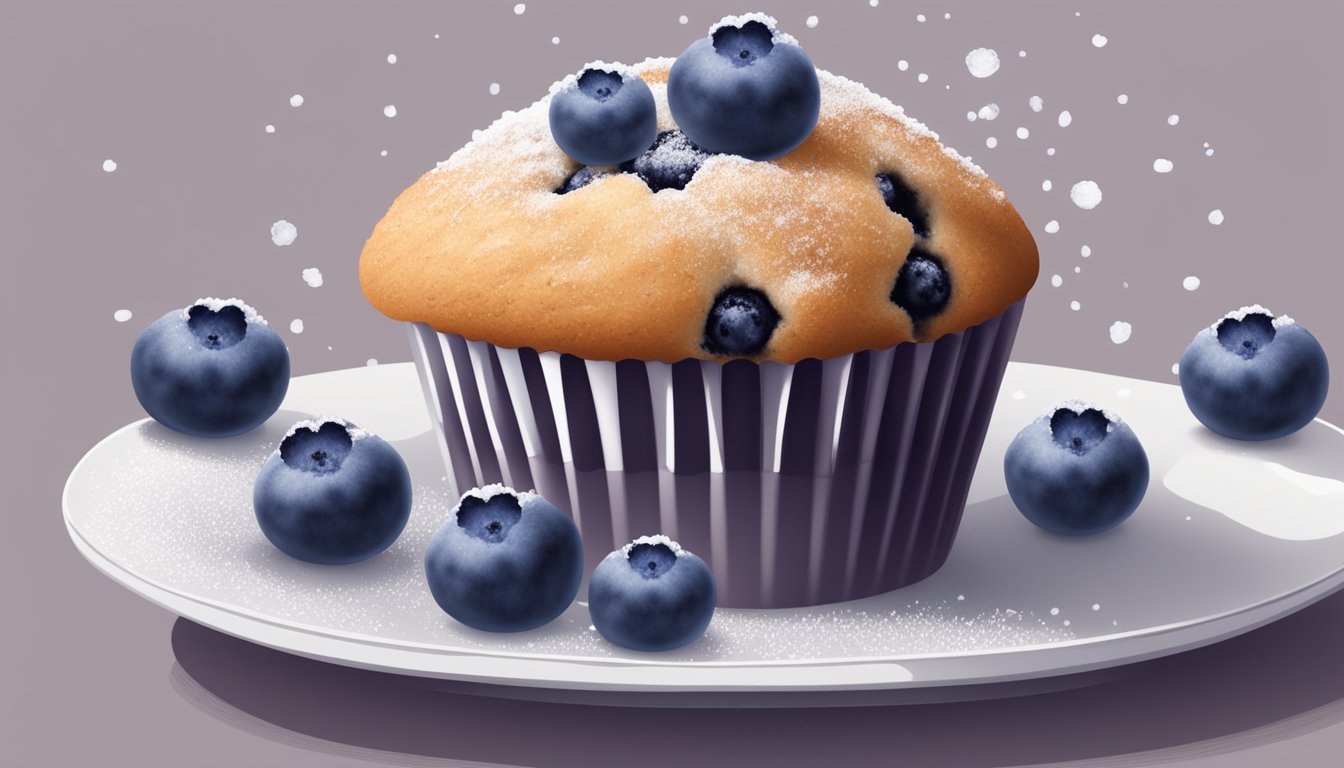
x=817, y=482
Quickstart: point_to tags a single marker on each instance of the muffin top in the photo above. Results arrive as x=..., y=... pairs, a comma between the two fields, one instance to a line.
x=867, y=234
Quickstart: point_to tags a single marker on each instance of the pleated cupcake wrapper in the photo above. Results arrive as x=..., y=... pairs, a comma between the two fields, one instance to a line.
x=802, y=484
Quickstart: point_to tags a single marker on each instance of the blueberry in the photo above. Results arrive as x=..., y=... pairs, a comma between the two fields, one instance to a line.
x=581, y=178
x=213, y=369
x=332, y=494
x=1251, y=377
x=651, y=595
x=504, y=561
x=740, y=322
x=1076, y=471
x=904, y=201
x=745, y=90
x=604, y=117
x=922, y=285
x=669, y=163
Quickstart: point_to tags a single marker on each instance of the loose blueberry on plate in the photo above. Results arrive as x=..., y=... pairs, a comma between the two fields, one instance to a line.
x=332, y=493
x=651, y=595
x=212, y=369
x=1077, y=470
x=504, y=561
x=740, y=322
x=670, y=163
x=1252, y=376
x=604, y=117
x=745, y=90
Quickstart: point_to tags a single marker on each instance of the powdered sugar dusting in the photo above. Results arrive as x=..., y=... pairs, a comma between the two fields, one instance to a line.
x=1254, y=309
x=776, y=37
x=1078, y=407
x=488, y=492
x=214, y=305
x=314, y=425
x=624, y=552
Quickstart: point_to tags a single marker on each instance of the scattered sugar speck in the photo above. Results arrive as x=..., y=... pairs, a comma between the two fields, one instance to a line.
x=923, y=77
x=1054, y=611
x=1163, y=165
x=872, y=3
x=1021, y=54
x=122, y=315
x=1208, y=151
x=982, y=62
x=1036, y=103
x=390, y=110
x=555, y=41
x=989, y=111
x=1086, y=195
x=971, y=116
x=391, y=58
x=109, y=165
x=1022, y=132
x=382, y=153
x=270, y=128
x=1047, y=185
x=1085, y=251
x=296, y=326
x=1067, y=622
x=902, y=65
x=436, y=35
x=961, y=597
x=1056, y=280
x=520, y=9
x=1120, y=331
x=947, y=16
x=1065, y=118
x=991, y=142
x=1099, y=41
x=1122, y=98
x=682, y=20
x=1176, y=369
x=1052, y=226
x=1190, y=283
x=1173, y=119
x=920, y=18
x=1216, y=216
x=1050, y=151
x=313, y=277
x=1075, y=306
x=283, y=233
x=1096, y=606
x=1019, y=395
x=371, y=361
x=812, y=22
x=1077, y=270
x=296, y=100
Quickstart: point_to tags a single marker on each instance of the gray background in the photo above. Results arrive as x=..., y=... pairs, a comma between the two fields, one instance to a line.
x=178, y=95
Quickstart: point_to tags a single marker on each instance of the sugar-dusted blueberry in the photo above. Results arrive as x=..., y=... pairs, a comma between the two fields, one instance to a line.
x=332, y=493
x=212, y=369
x=605, y=116
x=1077, y=470
x=504, y=561
x=923, y=286
x=582, y=178
x=745, y=89
x=651, y=595
x=903, y=200
x=670, y=163
x=740, y=322
x=1252, y=376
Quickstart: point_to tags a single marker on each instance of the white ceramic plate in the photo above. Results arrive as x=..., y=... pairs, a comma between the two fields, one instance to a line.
x=1230, y=536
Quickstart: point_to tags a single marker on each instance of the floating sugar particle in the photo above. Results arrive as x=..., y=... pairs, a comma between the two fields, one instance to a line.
x=1065, y=118
x=682, y=20
x=1054, y=611
x=947, y=16
x=1047, y=185
x=390, y=110
x=555, y=41
x=982, y=62
x=109, y=165
x=961, y=597
x=1036, y=103
x=1021, y=54
x=991, y=142
x=1022, y=132
x=1190, y=283
x=1019, y=395
x=391, y=58
x=1075, y=306
x=313, y=277
x=1173, y=119
x=1120, y=332
x=371, y=361
x=812, y=22
x=923, y=77
x=296, y=326
x=283, y=233
x=1125, y=284
x=494, y=89
x=1085, y=251
x=1208, y=152
x=1067, y=622
x=902, y=65
x=1163, y=165
x=1077, y=270
x=971, y=116
x=1176, y=368
x=989, y=111
x=296, y=100
x=1050, y=151
x=520, y=9
x=436, y=35
x=382, y=153
x=872, y=3
x=1056, y=280
x=121, y=315
x=1052, y=226
x=270, y=128
x=1122, y=98
x=1099, y=41
x=1216, y=216
x=1086, y=195
x=920, y=18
